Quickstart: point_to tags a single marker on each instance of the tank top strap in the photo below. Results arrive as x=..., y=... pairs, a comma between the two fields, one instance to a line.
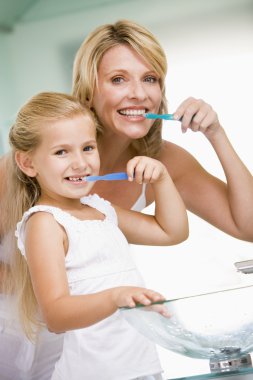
x=60, y=216
x=141, y=202
x=105, y=207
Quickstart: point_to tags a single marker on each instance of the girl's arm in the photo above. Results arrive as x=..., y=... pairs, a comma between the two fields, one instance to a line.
x=46, y=246
x=227, y=206
x=169, y=225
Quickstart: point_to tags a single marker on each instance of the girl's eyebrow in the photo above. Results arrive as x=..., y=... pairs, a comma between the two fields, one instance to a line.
x=65, y=145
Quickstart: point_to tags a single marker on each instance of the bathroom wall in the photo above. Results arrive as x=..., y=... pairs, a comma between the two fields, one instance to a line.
x=210, y=56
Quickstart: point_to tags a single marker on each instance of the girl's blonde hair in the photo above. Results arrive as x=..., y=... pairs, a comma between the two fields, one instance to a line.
x=88, y=58
x=24, y=191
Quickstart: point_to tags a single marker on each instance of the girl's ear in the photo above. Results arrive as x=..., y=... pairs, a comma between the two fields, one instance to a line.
x=25, y=163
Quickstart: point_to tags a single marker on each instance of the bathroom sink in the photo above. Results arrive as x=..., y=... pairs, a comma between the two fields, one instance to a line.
x=216, y=325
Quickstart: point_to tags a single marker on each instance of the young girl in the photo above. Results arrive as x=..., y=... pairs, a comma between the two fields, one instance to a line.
x=75, y=267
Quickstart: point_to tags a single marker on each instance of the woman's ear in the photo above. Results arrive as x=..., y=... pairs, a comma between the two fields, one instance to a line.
x=25, y=163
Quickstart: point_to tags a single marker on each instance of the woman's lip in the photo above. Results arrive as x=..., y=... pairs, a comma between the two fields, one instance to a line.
x=141, y=109
x=131, y=117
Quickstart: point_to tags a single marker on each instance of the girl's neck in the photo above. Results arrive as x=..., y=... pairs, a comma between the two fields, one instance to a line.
x=74, y=207
x=64, y=204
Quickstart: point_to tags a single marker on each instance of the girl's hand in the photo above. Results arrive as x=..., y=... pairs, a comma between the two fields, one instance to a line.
x=144, y=169
x=128, y=296
x=197, y=115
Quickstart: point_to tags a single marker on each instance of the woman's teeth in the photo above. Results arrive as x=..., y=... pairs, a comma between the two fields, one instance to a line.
x=132, y=112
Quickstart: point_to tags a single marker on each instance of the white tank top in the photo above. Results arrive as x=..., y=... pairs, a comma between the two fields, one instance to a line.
x=99, y=258
x=141, y=202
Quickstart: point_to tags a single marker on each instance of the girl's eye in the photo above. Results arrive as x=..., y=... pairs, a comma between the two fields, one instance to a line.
x=151, y=79
x=60, y=152
x=117, y=80
x=88, y=148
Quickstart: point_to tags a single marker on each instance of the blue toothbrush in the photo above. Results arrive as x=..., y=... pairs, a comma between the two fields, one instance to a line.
x=106, y=177
x=165, y=116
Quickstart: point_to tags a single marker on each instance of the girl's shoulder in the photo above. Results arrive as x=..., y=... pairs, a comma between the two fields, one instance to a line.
x=41, y=212
x=40, y=218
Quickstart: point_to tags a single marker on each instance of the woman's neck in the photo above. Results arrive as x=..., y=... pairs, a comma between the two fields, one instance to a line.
x=114, y=154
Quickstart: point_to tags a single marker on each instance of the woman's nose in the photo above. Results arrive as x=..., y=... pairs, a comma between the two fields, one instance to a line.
x=137, y=91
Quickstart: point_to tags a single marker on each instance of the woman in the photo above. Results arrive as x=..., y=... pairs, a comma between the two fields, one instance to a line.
x=120, y=71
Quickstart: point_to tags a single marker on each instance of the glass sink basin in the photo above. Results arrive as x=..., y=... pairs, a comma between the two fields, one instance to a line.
x=217, y=326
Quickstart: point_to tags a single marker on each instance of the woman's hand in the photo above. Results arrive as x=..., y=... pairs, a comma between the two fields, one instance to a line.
x=144, y=169
x=197, y=115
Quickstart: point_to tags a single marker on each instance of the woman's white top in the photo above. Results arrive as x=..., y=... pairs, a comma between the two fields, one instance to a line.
x=141, y=202
x=98, y=258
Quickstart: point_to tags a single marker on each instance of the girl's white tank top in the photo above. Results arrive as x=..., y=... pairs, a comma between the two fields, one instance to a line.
x=98, y=258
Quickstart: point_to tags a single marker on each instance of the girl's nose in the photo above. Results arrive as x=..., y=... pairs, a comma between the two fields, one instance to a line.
x=79, y=162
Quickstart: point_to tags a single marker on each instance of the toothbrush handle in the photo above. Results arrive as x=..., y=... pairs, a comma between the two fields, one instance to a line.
x=164, y=116
x=107, y=177
x=167, y=116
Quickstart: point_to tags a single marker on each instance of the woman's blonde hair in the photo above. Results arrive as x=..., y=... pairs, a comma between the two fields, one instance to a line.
x=24, y=191
x=88, y=58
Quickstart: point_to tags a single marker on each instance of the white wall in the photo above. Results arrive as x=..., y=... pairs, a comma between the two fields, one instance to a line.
x=210, y=56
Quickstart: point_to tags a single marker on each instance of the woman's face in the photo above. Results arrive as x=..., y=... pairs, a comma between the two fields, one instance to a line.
x=127, y=88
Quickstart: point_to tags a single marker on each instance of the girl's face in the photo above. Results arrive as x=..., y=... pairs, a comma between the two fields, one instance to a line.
x=67, y=152
x=127, y=88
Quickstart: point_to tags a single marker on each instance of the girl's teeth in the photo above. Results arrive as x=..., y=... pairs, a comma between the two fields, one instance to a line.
x=132, y=112
x=75, y=179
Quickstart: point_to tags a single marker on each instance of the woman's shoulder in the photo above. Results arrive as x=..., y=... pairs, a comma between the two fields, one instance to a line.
x=171, y=150
x=178, y=160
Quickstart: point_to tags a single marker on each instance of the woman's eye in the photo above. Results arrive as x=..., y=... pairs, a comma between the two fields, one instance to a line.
x=117, y=80
x=151, y=79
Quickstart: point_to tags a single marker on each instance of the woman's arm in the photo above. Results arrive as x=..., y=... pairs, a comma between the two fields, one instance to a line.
x=46, y=246
x=169, y=225
x=228, y=207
